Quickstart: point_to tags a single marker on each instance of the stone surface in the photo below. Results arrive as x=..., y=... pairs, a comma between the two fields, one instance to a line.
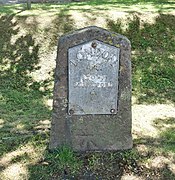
x=92, y=131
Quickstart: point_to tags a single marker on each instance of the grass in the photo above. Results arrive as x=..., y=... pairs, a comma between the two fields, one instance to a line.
x=120, y=5
x=28, y=41
x=153, y=59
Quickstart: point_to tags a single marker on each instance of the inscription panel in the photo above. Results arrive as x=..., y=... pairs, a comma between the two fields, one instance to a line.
x=93, y=78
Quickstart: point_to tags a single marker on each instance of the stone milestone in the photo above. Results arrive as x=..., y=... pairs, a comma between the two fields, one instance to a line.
x=92, y=91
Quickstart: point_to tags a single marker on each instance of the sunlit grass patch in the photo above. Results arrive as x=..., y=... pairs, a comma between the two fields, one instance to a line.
x=152, y=56
x=15, y=163
x=91, y=5
x=11, y=9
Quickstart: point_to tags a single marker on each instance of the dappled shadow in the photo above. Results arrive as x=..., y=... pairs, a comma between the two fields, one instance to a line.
x=125, y=2
x=109, y=2
x=53, y=27
x=24, y=117
x=22, y=107
x=150, y=158
x=86, y=166
x=159, y=123
x=12, y=7
x=153, y=60
x=62, y=24
x=24, y=114
x=165, y=140
x=166, y=128
x=125, y=5
x=158, y=152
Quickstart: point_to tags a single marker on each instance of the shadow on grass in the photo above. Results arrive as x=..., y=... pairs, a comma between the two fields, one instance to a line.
x=21, y=102
x=149, y=159
x=22, y=106
x=153, y=59
x=160, y=5
x=165, y=140
x=167, y=132
x=125, y=2
x=109, y=2
x=122, y=4
x=62, y=23
x=24, y=115
x=12, y=8
x=158, y=149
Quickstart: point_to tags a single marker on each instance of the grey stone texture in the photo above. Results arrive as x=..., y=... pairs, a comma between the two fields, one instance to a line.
x=92, y=132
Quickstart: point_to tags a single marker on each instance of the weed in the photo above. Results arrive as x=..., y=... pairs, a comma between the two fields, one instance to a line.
x=67, y=160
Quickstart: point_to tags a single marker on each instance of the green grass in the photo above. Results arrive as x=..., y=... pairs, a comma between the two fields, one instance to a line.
x=122, y=5
x=153, y=57
x=167, y=135
x=58, y=163
x=28, y=42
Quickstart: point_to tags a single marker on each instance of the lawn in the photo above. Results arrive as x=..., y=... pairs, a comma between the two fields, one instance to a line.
x=28, y=44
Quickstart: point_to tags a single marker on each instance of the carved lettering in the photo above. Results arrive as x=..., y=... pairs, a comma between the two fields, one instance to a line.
x=95, y=57
x=88, y=80
x=92, y=54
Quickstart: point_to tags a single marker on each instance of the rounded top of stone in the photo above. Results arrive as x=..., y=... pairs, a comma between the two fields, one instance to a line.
x=93, y=32
x=83, y=30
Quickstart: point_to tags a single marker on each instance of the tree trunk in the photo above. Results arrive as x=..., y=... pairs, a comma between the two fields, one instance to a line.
x=28, y=4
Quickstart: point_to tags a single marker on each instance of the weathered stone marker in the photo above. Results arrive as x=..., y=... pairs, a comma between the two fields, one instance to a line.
x=92, y=92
